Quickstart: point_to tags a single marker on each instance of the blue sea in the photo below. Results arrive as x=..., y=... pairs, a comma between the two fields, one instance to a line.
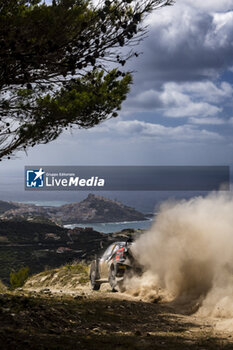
x=115, y=226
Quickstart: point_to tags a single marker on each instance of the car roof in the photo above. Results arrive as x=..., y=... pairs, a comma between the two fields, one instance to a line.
x=116, y=243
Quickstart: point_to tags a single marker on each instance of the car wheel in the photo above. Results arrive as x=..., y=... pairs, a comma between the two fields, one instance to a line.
x=121, y=287
x=95, y=285
x=112, y=279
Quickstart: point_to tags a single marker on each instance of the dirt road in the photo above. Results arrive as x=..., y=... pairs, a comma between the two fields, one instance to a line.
x=81, y=319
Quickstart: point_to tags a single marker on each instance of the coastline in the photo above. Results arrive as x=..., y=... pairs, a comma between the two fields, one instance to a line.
x=110, y=227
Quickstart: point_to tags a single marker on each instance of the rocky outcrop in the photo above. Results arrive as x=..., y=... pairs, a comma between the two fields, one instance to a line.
x=97, y=209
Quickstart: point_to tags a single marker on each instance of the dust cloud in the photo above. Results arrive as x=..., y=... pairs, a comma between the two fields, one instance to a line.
x=187, y=256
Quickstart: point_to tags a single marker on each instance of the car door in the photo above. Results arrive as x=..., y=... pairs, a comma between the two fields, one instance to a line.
x=104, y=262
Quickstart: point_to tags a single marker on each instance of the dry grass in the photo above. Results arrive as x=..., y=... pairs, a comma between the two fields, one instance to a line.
x=68, y=276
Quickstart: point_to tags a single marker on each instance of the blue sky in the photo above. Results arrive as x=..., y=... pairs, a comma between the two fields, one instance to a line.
x=179, y=110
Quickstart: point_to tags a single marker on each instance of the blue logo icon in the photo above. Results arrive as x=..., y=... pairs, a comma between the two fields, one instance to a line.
x=35, y=178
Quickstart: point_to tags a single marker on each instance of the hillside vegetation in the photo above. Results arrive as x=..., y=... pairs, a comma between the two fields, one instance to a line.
x=68, y=277
x=46, y=245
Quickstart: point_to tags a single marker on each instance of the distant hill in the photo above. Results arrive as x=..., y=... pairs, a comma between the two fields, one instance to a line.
x=5, y=206
x=97, y=209
x=92, y=209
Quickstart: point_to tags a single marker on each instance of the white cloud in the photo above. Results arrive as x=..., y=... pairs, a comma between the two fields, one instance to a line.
x=209, y=5
x=136, y=128
x=189, y=41
x=221, y=20
x=207, y=121
x=193, y=99
x=221, y=34
x=149, y=99
x=207, y=90
x=179, y=104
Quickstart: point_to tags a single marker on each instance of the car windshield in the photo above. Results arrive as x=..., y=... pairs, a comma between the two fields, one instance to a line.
x=112, y=249
x=118, y=246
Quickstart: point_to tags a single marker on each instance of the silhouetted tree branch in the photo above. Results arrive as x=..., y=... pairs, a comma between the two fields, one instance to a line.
x=55, y=65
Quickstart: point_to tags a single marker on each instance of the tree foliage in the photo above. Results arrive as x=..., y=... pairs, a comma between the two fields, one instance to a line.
x=63, y=65
x=18, y=278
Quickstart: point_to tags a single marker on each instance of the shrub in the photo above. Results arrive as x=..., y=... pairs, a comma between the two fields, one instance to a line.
x=77, y=268
x=2, y=287
x=18, y=278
